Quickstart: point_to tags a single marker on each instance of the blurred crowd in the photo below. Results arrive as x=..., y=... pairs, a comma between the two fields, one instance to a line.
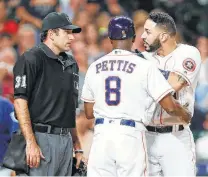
x=20, y=22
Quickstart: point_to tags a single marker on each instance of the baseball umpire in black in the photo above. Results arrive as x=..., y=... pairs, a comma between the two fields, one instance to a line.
x=46, y=95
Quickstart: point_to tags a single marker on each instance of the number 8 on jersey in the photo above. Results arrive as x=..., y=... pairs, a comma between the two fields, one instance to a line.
x=111, y=91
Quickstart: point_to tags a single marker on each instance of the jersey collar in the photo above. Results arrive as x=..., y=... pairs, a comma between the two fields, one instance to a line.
x=69, y=60
x=48, y=51
x=121, y=52
x=170, y=54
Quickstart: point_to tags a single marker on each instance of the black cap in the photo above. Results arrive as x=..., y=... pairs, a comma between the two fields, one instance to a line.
x=59, y=20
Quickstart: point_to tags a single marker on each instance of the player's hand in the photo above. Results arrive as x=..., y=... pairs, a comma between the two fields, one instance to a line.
x=187, y=118
x=33, y=154
x=80, y=158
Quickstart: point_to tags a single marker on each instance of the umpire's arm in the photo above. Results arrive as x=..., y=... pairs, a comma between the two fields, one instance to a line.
x=88, y=93
x=24, y=79
x=23, y=83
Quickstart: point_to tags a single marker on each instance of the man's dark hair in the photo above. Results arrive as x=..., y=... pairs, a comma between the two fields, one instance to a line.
x=164, y=20
x=44, y=34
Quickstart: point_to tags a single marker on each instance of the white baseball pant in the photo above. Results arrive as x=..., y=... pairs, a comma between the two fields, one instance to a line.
x=171, y=154
x=118, y=150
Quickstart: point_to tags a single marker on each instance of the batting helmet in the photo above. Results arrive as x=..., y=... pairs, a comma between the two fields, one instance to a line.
x=121, y=28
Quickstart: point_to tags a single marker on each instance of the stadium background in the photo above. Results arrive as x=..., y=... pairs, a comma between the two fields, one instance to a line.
x=20, y=22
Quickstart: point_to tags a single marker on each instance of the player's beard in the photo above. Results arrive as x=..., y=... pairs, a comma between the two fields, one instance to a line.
x=154, y=46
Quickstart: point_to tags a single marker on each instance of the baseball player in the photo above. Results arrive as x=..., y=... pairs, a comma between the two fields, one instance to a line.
x=171, y=148
x=114, y=87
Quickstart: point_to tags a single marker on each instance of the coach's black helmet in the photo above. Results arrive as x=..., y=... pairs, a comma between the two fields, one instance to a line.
x=121, y=28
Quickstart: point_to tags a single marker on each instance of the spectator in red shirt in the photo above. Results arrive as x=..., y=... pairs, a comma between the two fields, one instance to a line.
x=8, y=26
x=7, y=61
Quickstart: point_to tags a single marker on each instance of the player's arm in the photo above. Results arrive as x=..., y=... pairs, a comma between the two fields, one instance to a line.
x=160, y=90
x=185, y=69
x=177, y=81
x=89, y=110
x=88, y=94
x=178, y=113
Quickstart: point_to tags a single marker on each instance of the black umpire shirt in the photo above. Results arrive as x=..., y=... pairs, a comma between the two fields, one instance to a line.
x=50, y=85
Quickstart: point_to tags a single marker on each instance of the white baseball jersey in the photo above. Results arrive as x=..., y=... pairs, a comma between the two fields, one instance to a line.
x=185, y=61
x=123, y=85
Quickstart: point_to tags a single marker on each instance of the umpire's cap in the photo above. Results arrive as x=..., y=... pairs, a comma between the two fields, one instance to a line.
x=59, y=20
x=120, y=28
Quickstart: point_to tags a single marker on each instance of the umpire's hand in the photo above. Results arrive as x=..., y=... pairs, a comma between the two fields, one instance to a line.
x=80, y=158
x=33, y=154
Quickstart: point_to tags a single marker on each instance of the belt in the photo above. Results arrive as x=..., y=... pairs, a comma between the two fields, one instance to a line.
x=51, y=129
x=130, y=123
x=165, y=129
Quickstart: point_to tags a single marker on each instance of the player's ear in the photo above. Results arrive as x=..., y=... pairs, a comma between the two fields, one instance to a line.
x=110, y=40
x=163, y=37
x=50, y=34
x=133, y=39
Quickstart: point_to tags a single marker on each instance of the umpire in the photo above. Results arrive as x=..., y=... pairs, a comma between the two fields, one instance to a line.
x=46, y=94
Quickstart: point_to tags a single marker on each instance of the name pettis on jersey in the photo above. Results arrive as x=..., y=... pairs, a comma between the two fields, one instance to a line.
x=115, y=65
